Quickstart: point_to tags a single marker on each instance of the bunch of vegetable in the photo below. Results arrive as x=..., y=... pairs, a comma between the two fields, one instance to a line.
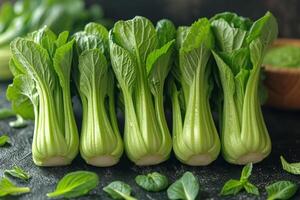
x=239, y=52
x=141, y=56
x=26, y=16
x=195, y=138
x=100, y=141
x=41, y=64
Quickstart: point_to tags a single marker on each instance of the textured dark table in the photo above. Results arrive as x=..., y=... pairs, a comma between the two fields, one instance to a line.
x=284, y=129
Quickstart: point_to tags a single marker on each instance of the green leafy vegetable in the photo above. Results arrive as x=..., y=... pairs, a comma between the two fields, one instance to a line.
x=239, y=53
x=281, y=190
x=119, y=190
x=283, y=56
x=75, y=184
x=233, y=187
x=3, y=140
x=101, y=143
x=41, y=87
x=186, y=188
x=8, y=188
x=141, y=59
x=25, y=16
x=6, y=113
x=293, y=168
x=18, y=173
x=195, y=138
x=20, y=122
x=153, y=182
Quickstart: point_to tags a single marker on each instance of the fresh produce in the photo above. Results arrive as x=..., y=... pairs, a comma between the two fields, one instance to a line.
x=152, y=182
x=3, y=140
x=141, y=57
x=218, y=62
x=195, y=138
x=18, y=172
x=281, y=190
x=283, y=56
x=119, y=190
x=41, y=65
x=233, y=187
x=100, y=141
x=293, y=168
x=186, y=188
x=239, y=52
x=9, y=188
x=25, y=16
x=75, y=184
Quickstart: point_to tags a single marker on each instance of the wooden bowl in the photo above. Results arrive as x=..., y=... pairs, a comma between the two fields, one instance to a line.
x=283, y=83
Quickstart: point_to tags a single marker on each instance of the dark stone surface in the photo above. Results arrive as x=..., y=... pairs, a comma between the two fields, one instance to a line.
x=283, y=127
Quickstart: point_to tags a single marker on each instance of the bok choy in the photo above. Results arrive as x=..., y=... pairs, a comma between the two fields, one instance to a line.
x=195, y=138
x=100, y=142
x=239, y=52
x=41, y=64
x=141, y=57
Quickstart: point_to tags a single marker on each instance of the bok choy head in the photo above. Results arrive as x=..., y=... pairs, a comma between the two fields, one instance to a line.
x=100, y=142
x=41, y=64
x=195, y=138
x=240, y=48
x=141, y=57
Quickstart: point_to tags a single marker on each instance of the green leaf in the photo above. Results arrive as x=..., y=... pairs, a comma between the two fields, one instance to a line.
x=62, y=39
x=234, y=20
x=246, y=172
x=153, y=182
x=101, y=32
x=166, y=31
x=62, y=61
x=182, y=32
x=186, y=188
x=85, y=41
x=8, y=188
x=281, y=190
x=18, y=173
x=128, y=35
x=250, y=188
x=158, y=66
x=35, y=59
x=92, y=65
x=75, y=184
x=97, y=29
x=265, y=28
x=199, y=33
x=228, y=38
x=44, y=37
x=123, y=65
x=3, y=140
x=119, y=190
x=20, y=122
x=195, y=50
x=6, y=113
x=293, y=168
x=23, y=95
x=231, y=187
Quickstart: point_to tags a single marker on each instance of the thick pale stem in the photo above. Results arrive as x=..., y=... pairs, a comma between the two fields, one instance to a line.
x=49, y=142
x=70, y=127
